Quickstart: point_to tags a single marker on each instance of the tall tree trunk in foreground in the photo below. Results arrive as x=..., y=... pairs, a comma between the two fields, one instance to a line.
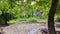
x=52, y=11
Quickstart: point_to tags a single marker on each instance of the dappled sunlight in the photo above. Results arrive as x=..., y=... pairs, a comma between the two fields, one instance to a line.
x=29, y=16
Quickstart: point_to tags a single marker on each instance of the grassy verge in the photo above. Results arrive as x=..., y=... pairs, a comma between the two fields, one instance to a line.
x=31, y=19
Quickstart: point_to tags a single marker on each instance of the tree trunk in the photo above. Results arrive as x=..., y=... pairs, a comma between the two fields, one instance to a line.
x=52, y=11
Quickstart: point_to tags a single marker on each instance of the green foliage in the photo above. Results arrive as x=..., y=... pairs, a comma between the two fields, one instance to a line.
x=4, y=5
x=57, y=17
x=21, y=10
x=32, y=19
x=6, y=16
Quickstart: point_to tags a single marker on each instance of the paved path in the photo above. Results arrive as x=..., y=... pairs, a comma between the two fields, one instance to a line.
x=21, y=28
x=24, y=28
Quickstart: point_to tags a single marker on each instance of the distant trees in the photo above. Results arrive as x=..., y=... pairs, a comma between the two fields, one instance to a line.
x=52, y=11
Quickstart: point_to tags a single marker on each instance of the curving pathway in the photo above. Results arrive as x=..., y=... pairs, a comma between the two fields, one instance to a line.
x=23, y=28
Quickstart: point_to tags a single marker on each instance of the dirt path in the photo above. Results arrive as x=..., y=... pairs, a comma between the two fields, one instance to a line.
x=21, y=28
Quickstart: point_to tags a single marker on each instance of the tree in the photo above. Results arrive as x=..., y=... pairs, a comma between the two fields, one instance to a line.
x=52, y=11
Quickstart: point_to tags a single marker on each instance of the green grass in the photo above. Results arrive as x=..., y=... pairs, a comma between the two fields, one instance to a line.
x=12, y=21
x=31, y=19
x=41, y=20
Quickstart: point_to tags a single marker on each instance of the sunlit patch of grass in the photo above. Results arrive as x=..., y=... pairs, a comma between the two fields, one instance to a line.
x=16, y=20
x=31, y=19
x=41, y=20
x=12, y=21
